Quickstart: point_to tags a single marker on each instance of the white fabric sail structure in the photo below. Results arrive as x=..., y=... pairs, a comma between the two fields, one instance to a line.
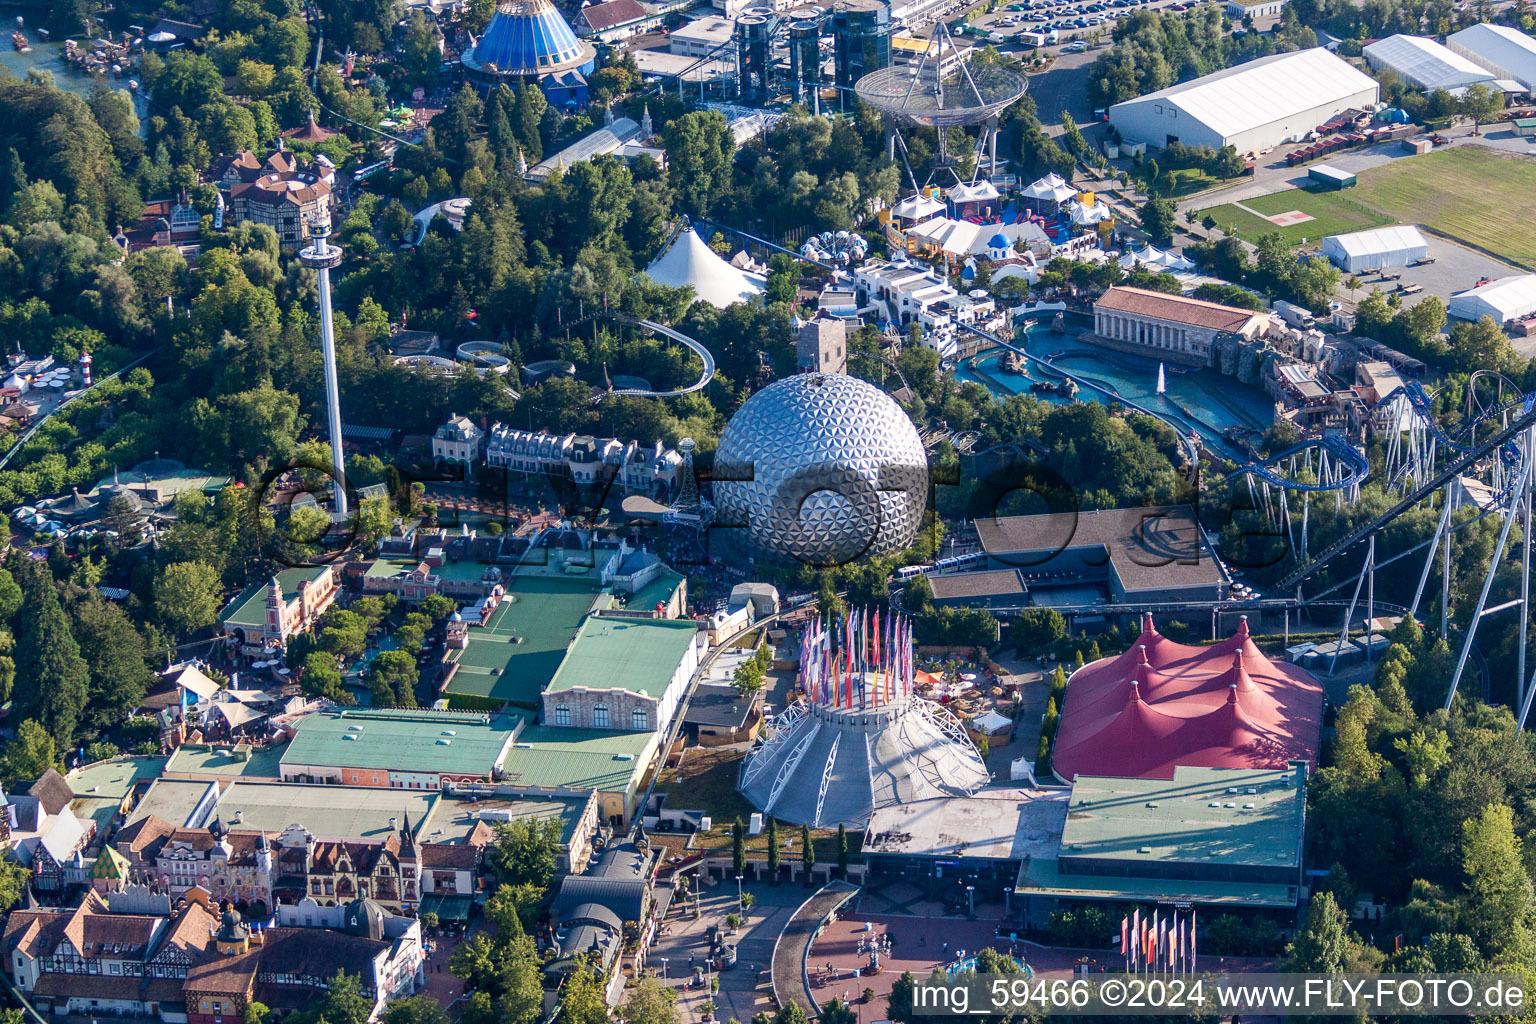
x=690, y=262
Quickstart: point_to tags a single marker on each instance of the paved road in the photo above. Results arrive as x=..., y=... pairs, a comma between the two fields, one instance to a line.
x=1063, y=87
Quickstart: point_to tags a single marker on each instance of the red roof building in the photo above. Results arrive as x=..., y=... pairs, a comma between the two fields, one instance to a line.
x=1162, y=705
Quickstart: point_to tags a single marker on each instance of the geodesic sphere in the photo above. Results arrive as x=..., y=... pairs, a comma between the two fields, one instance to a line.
x=822, y=469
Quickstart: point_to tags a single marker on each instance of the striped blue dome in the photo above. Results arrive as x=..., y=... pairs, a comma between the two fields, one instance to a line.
x=528, y=36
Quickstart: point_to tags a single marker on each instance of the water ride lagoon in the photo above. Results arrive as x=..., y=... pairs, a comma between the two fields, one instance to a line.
x=1215, y=408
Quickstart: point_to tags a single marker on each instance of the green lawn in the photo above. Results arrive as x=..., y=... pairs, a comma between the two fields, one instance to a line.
x=1481, y=196
x=1333, y=213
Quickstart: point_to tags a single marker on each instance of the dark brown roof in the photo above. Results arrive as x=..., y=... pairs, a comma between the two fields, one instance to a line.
x=961, y=585
x=1176, y=309
x=450, y=855
x=190, y=932
x=144, y=839
x=615, y=12
x=90, y=986
x=1149, y=548
x=34, y=932
x=52, y=791
x=272, y=189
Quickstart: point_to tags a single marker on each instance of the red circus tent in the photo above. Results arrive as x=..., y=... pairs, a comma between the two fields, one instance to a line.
x=1163, y=704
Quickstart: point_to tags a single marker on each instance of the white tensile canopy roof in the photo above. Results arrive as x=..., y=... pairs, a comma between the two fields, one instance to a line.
x=976, y=191
x=1158, y=259
x=690, y=262
x=1053, y=187
x=917, y=208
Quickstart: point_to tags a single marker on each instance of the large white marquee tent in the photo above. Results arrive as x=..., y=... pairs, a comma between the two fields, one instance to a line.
x=1424, y=63
x=1508, y=298
x=1382, y=247
x=1253, y=106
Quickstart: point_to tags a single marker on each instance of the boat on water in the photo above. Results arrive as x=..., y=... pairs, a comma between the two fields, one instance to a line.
x=19, y=40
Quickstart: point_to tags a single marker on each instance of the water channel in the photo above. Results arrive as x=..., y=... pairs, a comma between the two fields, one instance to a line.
x=1203, y=402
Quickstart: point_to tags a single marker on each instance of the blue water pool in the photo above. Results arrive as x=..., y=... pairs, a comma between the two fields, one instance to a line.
x=1200, y=401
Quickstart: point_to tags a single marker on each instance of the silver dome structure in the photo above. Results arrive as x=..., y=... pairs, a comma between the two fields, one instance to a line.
x=822, y=469
x=862, y=738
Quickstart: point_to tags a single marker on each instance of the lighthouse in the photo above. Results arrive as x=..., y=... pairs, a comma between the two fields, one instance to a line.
x=320, y=257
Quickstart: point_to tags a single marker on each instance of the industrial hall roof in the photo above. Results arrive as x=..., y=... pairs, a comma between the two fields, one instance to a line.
x=1176, y=308
x=1262, y=91
x=1162, y=705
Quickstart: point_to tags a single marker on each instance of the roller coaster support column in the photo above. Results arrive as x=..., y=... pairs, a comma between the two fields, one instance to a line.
x=1434, y=549
x=1512, y=511
x=1525, y=566
x=1370, y=599
x=1350, y=612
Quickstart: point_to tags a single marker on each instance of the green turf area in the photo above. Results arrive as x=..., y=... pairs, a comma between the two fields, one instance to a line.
x=1482, y=196
x=515, y=656
x=1333, y=213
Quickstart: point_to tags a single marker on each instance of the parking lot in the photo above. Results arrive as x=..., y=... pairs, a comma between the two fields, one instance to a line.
x=1032, y=22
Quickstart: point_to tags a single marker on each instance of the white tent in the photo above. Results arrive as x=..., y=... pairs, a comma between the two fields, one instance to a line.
x=992, y=722
x=1424, y=63
x=1508, y=298
x=917, y=208
x=975, y=192
x=1154, y=258
x=1384, y=247
x=690, y=262
x=1052, y=188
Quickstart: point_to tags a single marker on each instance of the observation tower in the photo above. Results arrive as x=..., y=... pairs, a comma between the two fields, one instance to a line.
x=321, y=257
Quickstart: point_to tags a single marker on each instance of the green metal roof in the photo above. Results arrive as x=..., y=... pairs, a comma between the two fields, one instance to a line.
x=240, y=761
x=1043, y=878
x=250, y=608
x=328, y=812
x=1218, y=816
x=639, y=655
x=659, y=589
x=556, y=757
x=402, y=740
x=515, y=655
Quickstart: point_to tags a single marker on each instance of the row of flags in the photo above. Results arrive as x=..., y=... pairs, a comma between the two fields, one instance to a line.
x=859, y=659
x=1157, y=942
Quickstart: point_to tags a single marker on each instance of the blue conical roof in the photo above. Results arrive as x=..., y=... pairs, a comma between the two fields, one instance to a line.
x=528, y=36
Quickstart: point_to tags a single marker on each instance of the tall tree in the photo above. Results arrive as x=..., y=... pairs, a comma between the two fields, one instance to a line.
x=774, y=853
x=115, y=652
x=1500, y=897
x=52, y=677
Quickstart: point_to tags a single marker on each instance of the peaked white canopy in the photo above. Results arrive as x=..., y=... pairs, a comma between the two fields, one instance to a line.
x=690, y=262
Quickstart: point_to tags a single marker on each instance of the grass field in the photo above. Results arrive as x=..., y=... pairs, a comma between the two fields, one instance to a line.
x=1332, y=214
x=1481, y=196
